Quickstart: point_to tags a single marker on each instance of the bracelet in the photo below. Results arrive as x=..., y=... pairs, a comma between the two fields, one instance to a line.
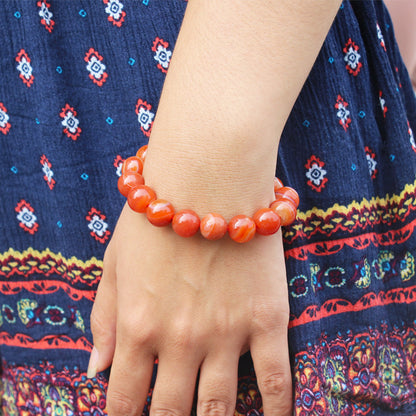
x=186, y=223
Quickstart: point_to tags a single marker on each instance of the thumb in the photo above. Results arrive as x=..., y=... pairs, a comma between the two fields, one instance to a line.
x=103, y=319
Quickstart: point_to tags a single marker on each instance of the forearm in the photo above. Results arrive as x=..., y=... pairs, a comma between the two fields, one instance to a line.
x=236, y=72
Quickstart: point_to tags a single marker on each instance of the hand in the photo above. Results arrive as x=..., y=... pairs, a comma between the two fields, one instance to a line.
x=195, y=305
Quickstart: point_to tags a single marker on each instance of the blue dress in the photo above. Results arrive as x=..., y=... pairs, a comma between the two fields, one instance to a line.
x=79, y=88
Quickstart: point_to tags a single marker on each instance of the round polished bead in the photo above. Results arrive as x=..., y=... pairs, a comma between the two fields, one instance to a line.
x=141, y=153
x=160, y=212
x=277, y=184
x=186, y=223
x=285, y=209
x=288, y=193
x=129, y=180
x=140, y=197
x=132, y=164
x=241, y=228
x=213, y=226
x=267, y=221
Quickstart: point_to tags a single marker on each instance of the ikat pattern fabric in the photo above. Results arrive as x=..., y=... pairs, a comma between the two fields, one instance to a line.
x=79, y=88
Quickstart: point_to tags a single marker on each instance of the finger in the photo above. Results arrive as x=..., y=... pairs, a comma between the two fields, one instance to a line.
x=103, y=319
x=270, y=354
x=217, y=389
x=130, y=378
x=175, y=384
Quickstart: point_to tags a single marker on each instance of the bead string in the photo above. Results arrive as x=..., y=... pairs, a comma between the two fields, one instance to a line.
x=186, y=223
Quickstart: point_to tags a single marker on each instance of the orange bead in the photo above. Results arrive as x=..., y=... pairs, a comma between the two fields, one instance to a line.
x=267, y=221
x=140, y=197
x=129, y=180
x=132, y=164
x=160, y=212
x=285, y=209
x=141, y=153
x=242, y=228
x=213, y=226
x=186, y=223
x=277, y=184
x=288, y=193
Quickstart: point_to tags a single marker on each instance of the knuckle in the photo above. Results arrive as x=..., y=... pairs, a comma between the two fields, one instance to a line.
x=118, y=403
x=276, y=384
x=164, y=411
x=183, y=336
x=138, y=332
x=267, y=317
x=214, y=407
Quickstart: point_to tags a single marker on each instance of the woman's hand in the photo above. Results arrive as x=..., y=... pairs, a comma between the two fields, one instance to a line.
x=195, y=305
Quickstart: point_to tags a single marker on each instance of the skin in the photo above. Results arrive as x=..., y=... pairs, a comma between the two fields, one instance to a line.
x=403, y=14
x=198, y=305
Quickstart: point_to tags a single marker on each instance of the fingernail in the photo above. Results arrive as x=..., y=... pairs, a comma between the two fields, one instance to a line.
x=93, y=364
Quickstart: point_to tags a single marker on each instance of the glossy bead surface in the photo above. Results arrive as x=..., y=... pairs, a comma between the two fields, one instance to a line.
x=129, y=180
x=286, y=210
x=160, y=212
x=213, y=226
x=277, y=183
x=186, y=223
x=241, y=228
x=141, y=153
x=288, y=193
x=132, y=164
x=140, y=197
x=267, y=221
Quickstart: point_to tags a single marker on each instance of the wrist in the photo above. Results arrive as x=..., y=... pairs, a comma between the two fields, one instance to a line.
x=234, y=179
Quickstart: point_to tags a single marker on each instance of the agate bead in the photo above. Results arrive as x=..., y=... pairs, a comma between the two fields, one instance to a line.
x=129, y=180
x=141, y=153
x=286, y=210
x=267, y=221
x=160, y=212
x=287, y=193
x=241, y=228
x=132, y=164
x=277, y=184
x=140, y=197
x=186, y=223
x=213, y=226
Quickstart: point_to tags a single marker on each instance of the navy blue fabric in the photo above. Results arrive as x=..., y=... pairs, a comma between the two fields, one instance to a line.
x=79, y=87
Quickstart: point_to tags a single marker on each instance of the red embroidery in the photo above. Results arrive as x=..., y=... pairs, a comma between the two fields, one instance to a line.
x=27, y=218
x=70, y=122
x=316, y=173
x=162, y=54
x=352, y=58
x=4, y=119
x=359, y=242
x=25, y=68
x=48, y=173
x=144, y=116
x=343, y=113
x=46, y=15
x=382, y=104
x=96, y=67
x=115, y=12
x=371, y=160
x=97, y=225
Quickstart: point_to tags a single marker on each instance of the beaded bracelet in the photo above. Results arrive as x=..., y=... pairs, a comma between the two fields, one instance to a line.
x=186, y=223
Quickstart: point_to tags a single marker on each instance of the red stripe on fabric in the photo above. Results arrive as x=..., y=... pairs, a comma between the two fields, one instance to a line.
x=338, y=306
x=48, y=342
x=45, y=287
x=359, y=242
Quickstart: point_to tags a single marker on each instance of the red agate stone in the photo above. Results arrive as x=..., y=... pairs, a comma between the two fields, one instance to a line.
x=241, y=228
x=186, y=223
x=160, y=212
